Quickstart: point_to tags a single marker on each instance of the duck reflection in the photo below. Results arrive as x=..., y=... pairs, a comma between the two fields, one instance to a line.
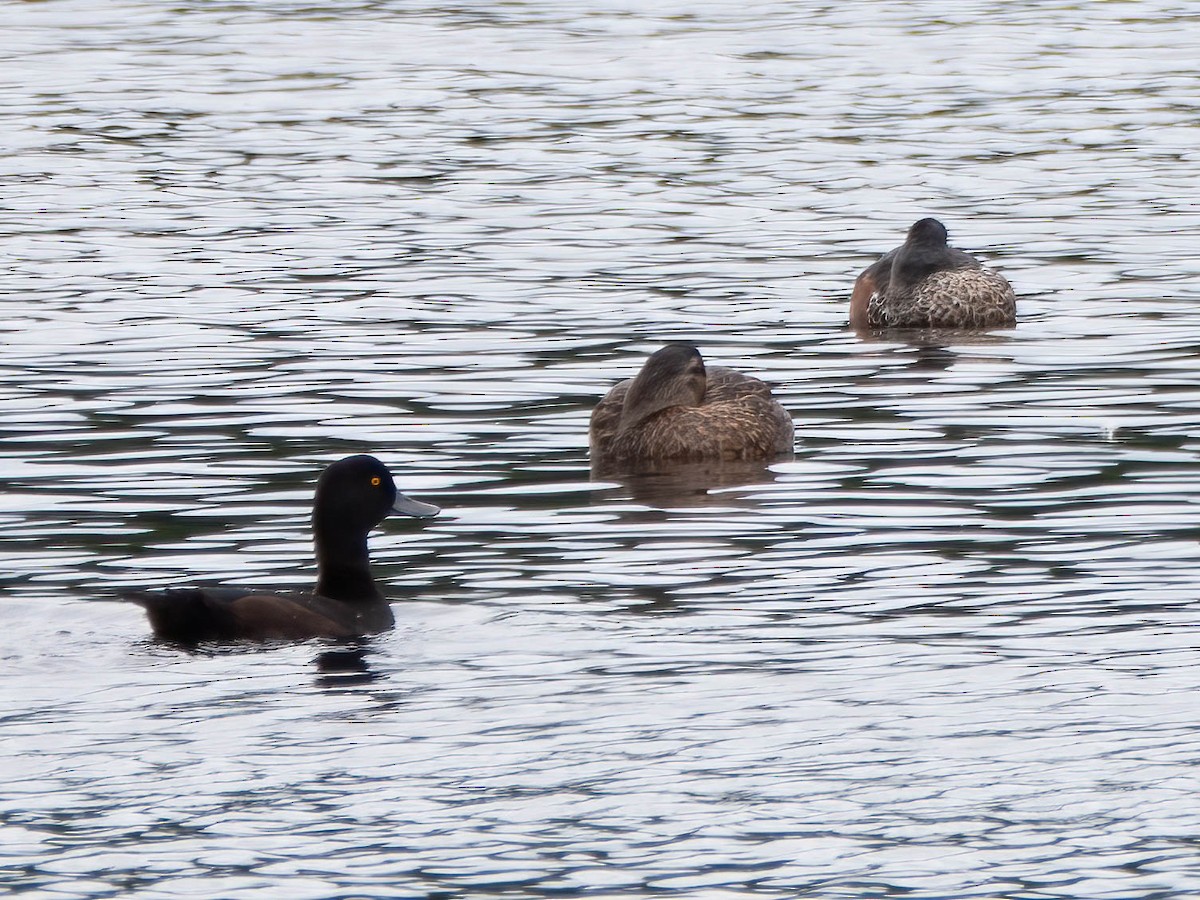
x=344, y=667
x=673, y=483
x=934, y=338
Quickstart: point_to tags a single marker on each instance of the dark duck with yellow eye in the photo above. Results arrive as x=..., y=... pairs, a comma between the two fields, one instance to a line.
x=353, y=496
x=925, y=283
x=676, y=408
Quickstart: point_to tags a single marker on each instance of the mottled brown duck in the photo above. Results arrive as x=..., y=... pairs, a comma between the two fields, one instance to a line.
x=678, y=409
x=925, y=283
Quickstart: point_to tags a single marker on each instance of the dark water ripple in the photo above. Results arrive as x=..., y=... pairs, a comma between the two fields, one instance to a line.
x=947, y=651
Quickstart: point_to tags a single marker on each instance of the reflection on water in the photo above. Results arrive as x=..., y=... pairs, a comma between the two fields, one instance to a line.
x=345, y=667
x=947, y=650
x=677, y=483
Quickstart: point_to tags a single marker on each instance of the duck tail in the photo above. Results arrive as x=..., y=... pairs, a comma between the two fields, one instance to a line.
x=180, y=615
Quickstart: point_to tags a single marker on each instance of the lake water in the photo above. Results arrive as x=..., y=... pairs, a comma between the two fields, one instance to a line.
x=950, y=650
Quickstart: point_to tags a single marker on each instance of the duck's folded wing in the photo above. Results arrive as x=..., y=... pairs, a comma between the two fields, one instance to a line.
x=185, y=614
x=191, y=615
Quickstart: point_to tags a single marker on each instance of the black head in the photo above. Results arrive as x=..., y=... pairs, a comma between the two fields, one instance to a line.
x=356, y=493
x=928, y=233
x=923, y=253
x=353, y=496
x=672, y=376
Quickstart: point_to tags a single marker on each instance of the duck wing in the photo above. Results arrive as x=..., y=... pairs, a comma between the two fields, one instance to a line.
x=194, y=615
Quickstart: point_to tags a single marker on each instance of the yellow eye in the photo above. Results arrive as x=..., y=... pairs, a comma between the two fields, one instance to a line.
x=375, y=481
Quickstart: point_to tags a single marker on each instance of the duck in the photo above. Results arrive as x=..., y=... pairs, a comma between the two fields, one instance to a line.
x=353, y=495
x=925, y=283
x=678, y=409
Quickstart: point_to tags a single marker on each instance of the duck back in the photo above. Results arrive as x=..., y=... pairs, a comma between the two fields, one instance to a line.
x=967, y=297
x=194, y=615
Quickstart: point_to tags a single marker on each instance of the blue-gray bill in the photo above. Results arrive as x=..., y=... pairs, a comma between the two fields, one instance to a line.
x=410, y=507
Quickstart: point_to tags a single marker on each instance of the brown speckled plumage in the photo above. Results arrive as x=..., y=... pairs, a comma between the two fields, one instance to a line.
x=725, y=416
x=926, y=284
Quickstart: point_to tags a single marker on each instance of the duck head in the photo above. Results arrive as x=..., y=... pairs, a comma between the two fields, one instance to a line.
x=672, y=376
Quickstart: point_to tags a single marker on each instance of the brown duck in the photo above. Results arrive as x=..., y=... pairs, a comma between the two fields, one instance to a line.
x=677, y=409
x=924, y=283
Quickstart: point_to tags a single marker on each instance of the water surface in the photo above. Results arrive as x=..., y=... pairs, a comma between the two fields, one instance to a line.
x=947, y=651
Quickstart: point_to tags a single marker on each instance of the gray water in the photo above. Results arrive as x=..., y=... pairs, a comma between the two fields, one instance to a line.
x=947, y=651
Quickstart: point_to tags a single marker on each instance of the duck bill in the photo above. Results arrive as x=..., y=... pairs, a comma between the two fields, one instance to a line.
x=407, y=506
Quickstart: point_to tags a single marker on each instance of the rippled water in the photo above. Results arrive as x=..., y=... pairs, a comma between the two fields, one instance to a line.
x=949, y=650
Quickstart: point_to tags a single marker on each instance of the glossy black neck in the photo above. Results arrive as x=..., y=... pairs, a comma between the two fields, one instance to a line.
x=343, y=566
